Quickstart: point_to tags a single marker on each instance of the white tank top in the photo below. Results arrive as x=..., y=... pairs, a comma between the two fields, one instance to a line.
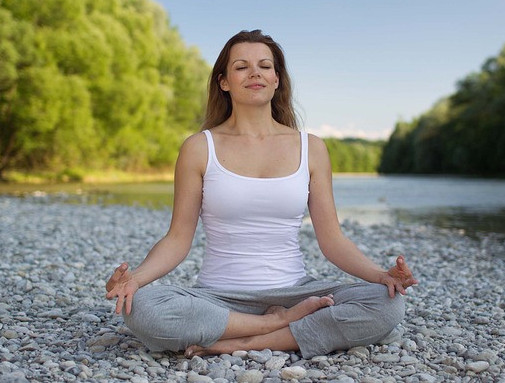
x=252, y=226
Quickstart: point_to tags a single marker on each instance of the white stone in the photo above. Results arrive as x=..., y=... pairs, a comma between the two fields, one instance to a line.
x=477, y=366
x=250, y=376
x=296, y=372
x=275, y=363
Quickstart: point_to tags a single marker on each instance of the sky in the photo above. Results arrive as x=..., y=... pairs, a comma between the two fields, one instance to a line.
x=357, y=66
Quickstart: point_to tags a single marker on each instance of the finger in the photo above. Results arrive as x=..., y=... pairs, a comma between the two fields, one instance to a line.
x=119, y=272
x=403, y=268
x=400, y=262
x=410, y=282
x=391, y=289
x=111, y=294
x=400, y=289
x=129, y=300
x=116, y=276
x=119, y=304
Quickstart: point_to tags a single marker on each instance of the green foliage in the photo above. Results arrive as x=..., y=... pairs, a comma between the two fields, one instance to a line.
x=354, y=155
x=462, y=134
x=93, y=84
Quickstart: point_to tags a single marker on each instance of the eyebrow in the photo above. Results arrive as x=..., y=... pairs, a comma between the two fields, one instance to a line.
x=244, y=60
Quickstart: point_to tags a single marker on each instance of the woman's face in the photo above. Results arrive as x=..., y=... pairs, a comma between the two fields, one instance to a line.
x=251, y=77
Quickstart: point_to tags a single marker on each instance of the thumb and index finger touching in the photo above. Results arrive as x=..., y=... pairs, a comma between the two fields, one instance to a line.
x=404, y=269
x=116, y=277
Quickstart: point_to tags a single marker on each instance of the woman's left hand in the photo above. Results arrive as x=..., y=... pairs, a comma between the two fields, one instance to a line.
x=398, y=278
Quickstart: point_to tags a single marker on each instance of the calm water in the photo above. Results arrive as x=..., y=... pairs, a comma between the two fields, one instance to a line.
x=449, y=202
x=464, y=203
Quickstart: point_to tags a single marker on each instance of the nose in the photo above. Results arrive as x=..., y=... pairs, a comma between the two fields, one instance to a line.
x=255, y=72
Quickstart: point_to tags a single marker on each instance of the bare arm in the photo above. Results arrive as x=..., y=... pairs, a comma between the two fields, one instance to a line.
x=337, y=248
x=173, y=248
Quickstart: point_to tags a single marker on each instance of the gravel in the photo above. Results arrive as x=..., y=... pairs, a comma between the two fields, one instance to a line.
x=56, y=325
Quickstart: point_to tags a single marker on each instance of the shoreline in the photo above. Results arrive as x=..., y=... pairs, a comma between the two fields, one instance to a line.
x=56, y=324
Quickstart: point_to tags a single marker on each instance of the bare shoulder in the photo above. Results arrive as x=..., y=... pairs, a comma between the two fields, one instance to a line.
x=319, y=159
x=194, y=142
x=317, y=147
x=193, y=151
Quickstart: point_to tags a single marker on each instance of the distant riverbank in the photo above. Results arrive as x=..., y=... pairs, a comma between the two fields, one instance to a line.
x=83, y=176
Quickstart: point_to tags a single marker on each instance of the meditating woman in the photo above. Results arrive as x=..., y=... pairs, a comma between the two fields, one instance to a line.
x=250, y=175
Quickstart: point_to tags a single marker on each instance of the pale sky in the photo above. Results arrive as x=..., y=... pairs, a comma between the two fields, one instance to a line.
x=357, y=66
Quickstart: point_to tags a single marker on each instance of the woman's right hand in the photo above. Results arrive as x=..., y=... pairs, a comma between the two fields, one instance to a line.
x=123, y=286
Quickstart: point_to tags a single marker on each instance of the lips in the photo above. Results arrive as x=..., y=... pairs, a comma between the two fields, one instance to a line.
x=255, y=86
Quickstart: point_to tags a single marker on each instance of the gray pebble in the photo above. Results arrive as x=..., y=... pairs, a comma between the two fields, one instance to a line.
x=477, y=366
x=296, y=372
x=260, y=356
x=250, y=376
x=275, y=363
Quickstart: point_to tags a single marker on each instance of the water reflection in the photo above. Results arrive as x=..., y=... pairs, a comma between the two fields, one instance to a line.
x=471, y=205
x=470, y=220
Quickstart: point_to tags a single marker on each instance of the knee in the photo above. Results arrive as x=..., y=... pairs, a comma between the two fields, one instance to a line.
x=160, y=323
x=392, y=309
x=138, y=321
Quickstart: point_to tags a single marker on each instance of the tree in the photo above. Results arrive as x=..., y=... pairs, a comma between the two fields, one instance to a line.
x=95, y=84
x=463, y=133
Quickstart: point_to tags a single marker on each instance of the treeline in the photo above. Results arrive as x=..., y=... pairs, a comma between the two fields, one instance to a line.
x=94, y=84
x=354, y=154
x=461, y=134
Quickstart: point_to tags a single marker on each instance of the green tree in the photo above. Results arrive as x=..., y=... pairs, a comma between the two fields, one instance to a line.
x=95, y=84
x=463, y=133
x=354, y=155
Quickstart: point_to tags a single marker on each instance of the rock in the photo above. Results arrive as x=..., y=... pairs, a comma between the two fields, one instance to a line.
x=250, y=376
x=91, y=318
x=240, y=354
x=10, y=334
x=260, y=356
x=275, y=363
x=194, y=377
x=105, y=340
x=52, y=314
x=360, y=352
x=477, y=366
x=386, y=358
x=198, y=365
x=407, y=360
x=296, y=372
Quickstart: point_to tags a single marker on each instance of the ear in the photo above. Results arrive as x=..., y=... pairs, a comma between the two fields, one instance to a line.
x=223, y=84
x=277, y=81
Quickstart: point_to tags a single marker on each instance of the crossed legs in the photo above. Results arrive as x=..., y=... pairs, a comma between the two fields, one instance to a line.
x=270, y=330
x=202, y=322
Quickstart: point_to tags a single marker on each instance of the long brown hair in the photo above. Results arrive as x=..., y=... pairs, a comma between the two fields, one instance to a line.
x=219, y=105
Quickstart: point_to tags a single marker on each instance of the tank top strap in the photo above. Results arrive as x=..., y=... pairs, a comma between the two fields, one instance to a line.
x=210, y=148
x=304, y=161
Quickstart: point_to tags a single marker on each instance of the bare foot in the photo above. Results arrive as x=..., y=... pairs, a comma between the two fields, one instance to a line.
x=215, y=349
x=300, y=310
x=226, y=346
x=194, y=350
x=281, y=340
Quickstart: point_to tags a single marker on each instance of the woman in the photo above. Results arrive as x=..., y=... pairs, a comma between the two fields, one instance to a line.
x=250, y=175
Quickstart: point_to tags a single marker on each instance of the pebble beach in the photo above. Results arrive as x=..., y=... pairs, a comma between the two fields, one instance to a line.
x=57, y=326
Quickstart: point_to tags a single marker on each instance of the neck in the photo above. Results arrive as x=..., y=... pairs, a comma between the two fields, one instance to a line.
x=253, y=121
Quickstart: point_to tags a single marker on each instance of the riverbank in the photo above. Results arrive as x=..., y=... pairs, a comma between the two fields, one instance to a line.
x=48, y=178
x=57, y=326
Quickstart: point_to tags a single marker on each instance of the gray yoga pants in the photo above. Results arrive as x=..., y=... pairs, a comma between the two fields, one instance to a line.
x=173, y=318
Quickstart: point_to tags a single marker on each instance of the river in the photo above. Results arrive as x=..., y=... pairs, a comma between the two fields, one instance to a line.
x=469, y=204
